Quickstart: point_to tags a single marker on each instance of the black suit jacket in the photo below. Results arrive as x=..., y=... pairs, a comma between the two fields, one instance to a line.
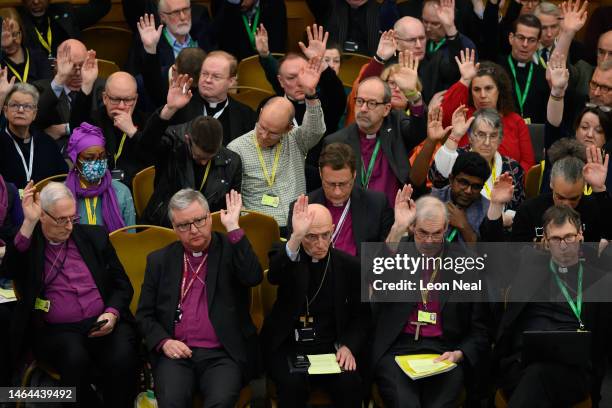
x=370, y=213
x=27, y=269
x=67, y=21
x=399, y=134
x=351, y=316
x=232, y=269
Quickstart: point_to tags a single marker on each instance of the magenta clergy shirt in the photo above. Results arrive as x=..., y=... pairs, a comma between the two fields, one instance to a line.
x=433, y=306
x=345, y=240
x=67, y=283
x=382, y=179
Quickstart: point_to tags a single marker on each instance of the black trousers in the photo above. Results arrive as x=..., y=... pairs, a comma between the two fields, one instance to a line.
x=110, y=361
x=398, y=390
x=293, y=389
x=213, y=371
x=6, y=363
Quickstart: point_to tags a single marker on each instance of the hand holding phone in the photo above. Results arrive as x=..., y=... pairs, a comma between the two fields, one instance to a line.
x=97, y=325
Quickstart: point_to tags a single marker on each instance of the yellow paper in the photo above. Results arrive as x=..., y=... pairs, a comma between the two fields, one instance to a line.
x=7, y=293
x=323, y=364
x=422, y=365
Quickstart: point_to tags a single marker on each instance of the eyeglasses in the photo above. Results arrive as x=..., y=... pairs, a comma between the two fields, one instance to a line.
x=27, y=107
x=604, y=53
x=568, y=239
x=341, y=185
x=412, y=40
x=522, y=38
x=176, y=13
x=214, y=77
x=482, y=136
x=325, y=236
x=486, y=71
x=603, y=108
x=265, y=132
x=595, y=85
x=424, y=235
x=15, y=35
x=371, y=104
x=392, y=84
x=464, y=184
x=432, y=24
x=117, y=100
x=197, y=222
x=64, y=221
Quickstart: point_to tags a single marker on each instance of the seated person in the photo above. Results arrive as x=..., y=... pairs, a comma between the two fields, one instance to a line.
x=543, y=300
x=25, y=64
x=26, y=153
x=75, y=298
x=458, y=330
x=358, y=215
x=197, y=328
x=275, y=145
x=100, y=199
x=189, y=155
x=321, y=285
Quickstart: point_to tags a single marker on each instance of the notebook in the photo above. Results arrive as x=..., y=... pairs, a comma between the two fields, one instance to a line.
x=418, y=366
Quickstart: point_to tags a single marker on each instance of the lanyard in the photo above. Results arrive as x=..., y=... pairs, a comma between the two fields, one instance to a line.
x=219, y=113
x=91, y=214
x=435, y=48
x=46, y=44
x=341, y=221
x=171, y=42
x=576, y=307
x=60, y=266
x=425, y=292
x=588, y=190
x=309, y=302
x=206, y=174
x=269, y=179
x=26, y=70
x=251, y=29
x=28, y=170
x=120, y=150
x=521, y=96
x=194, y=276
x=493, y=177
x=452, y=235
x=365, y=177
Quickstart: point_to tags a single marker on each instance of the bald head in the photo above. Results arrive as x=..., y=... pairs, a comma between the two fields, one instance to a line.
x=604, y=47
x=78, y=55
x=317, y=240
x=120, y=94
x=275, y=119
x=321, y=216
x=410, y=36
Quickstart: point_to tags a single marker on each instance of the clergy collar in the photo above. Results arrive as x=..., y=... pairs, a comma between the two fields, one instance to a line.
x=17, y=138
x=328, y=203
x=295, y=101
x=213, y=105
x=195, y=254
x=366, y=136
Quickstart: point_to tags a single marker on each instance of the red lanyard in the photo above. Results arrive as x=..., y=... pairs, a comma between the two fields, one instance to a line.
x=194, y=276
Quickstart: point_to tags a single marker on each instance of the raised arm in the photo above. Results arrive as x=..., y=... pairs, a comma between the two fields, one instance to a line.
x=558, y=77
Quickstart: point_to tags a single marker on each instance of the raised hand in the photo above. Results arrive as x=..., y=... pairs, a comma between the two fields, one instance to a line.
x=467, y=65
x=503, y=189
x=407, y=76
x=149, y=35
x=557, y=73
x=446, y=14
x=5, y=84
x=386, y=45
x=574, y=15
x=435, y=131
x=317, y=42
x=261, y=41
x=596, y=169
x=460, y=123
x=30, y=203
x=404, y=208
x=179, y=92
x=64, y=64
x=89, y=72
x=436, y=100
x=301, y=219
x=8, y=26
x=123, y=121
x=231, y=214
x=309, y=76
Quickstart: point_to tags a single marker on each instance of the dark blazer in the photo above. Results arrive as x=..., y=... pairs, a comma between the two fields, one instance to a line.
x=67, y=21
x=99, y=255
x=352, y=317
x=399, y=134
x=232, y=269
x=40, y=68
x=372, y=218
x=174, y=169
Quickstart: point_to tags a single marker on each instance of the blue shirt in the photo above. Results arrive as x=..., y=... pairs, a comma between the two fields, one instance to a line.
x=475, y=213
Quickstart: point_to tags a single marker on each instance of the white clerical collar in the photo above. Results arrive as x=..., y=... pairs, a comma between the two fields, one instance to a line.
x=520, y=64
x=341, y=205
x=54, y=243
x=371, y=136
x=196, y=254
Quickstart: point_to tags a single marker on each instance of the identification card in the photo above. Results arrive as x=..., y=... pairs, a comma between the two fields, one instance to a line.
x=305, y=334
x=270, y=200
x=426, y=317
x=528, y=121
x=42, y=304
x=118, y=174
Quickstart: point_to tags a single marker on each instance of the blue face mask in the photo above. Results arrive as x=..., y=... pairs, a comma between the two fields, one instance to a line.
x=93, y=170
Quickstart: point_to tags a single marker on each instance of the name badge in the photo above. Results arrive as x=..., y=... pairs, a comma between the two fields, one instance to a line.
x=42, y=304
x=527, y=121
x=426, y=317
x=270, y=200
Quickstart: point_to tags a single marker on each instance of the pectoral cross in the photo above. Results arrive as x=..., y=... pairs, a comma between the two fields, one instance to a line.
x=418, y=328
x=306, y=319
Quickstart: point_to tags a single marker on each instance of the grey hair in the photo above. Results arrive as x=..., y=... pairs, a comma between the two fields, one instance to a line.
x=386, y=88
x=183, y=199
x=547, y=8
x=430, y=208
x=490, y=117
x=52, y=193
x=568, y=168
x=162, y=4
x=23, y=88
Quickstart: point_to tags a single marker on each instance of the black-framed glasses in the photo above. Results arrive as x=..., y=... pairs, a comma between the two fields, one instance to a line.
x=371, y=104
x=464, y=184
x=197, y=222
x=27, y=107
x=603, y=88
x=341, y=185
x=63, y=221
x=568, y=239
x=117, y=100
x=176, y=13
x=603, y=108
x=424, y=235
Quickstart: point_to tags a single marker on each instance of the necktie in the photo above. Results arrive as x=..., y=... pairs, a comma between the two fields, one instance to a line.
x=545, y=54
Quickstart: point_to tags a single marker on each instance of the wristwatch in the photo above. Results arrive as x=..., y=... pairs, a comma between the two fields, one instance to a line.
x=312, y=97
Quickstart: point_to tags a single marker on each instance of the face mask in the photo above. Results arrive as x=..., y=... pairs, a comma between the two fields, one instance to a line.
x=93, y=170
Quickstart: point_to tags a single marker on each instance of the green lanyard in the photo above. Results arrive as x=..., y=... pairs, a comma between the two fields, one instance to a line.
x=433, y=49
x=452, y=235
x=192, y=43
x=521, y=96
x=576, y=307
x=365, y=177
x=251, y=29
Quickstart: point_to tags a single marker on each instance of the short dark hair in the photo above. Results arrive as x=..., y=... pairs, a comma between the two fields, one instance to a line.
x=559, y=215
x=472, y=164
x=206, y=133
x=505, y=101
x=605, y=121
x=528, y=20
x=566, y=147
x=337, y=156
x=189, y=61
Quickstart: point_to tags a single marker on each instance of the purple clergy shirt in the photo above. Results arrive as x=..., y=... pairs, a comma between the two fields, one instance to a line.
x=433, y=306
x=345, y=240
x=67, y=283
x=382, y=178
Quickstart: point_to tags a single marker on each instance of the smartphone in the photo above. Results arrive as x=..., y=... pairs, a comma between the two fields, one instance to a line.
x=97, y=325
